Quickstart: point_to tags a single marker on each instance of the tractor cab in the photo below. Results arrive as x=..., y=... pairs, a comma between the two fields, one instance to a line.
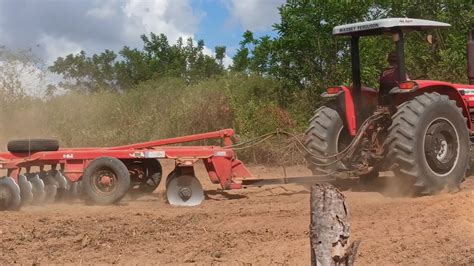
x=396, y=27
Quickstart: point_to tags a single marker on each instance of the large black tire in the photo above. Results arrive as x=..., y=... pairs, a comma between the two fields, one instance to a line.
x=32, y=145
x=10, y=199
x=327, y=135
x=428, y=143
x=153, y=177
x=106, y=180
x=323, y=137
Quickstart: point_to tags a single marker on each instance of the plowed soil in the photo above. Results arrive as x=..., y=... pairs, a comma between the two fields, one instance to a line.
x=266, y=225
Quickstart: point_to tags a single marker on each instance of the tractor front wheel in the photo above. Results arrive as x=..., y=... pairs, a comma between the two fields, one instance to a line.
x=428, y=143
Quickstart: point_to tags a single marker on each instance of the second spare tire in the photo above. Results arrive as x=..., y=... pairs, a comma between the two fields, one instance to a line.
x=32, y=145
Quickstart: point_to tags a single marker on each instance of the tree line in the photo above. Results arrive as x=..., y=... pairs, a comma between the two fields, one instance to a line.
x=303, y=56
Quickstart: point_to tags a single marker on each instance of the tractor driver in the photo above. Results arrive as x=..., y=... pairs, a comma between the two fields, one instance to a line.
x=389, y=77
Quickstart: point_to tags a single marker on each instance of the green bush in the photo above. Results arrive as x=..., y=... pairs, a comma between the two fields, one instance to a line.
x=160, y=109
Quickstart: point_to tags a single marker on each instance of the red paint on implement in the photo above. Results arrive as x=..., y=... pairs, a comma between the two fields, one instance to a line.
x=222, y=164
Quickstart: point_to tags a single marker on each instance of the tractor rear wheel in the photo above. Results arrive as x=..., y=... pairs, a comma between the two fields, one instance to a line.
x=428, y=142
x=327, y=135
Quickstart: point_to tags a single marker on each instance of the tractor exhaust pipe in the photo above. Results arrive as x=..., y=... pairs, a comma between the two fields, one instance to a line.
x=470, y=57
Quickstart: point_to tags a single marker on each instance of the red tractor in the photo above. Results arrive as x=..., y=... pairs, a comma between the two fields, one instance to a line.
x=419, y=129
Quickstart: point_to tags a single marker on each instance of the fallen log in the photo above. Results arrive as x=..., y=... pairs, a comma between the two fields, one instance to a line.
x=329, y=228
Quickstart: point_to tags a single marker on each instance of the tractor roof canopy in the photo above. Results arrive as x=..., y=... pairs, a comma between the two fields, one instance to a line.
x=386, y=26
x=394, y=26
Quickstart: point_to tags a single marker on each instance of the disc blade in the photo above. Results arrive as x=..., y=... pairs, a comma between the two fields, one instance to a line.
x=26, y=190
x=38, y=189
x=184, y=191
x=10, y=198
x=51, y=191
x=48, y=179
x=61, y=180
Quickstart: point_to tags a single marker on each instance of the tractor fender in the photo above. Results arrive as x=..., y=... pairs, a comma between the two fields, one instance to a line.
x=345, y=105
x=346, y=109
x=443, y=88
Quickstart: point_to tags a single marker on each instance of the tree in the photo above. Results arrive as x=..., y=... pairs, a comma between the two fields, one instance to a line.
x=220, y=54
x=304, y=54
x=156, y=60
x=87, y=73
x=243, y=56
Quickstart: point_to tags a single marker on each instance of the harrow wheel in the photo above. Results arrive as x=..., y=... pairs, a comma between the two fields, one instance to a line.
x=10, y=198
x=145, y=174
x=106, y=180
x=184, y=190
x=153, y=177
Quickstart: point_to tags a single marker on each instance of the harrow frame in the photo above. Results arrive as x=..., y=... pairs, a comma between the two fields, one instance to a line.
x=221, y=162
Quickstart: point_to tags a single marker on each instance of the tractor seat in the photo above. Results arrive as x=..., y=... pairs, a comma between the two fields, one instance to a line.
x=386, y=87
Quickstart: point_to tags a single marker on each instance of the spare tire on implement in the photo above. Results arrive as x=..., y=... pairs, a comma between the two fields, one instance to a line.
x=32, y=145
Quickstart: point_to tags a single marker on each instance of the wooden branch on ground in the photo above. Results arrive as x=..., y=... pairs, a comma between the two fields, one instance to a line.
x=329, y=228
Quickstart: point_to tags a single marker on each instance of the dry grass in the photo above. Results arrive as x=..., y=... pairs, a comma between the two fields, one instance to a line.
x=158, y=109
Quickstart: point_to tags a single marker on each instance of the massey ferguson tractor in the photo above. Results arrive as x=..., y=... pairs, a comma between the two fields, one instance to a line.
x=419, y=129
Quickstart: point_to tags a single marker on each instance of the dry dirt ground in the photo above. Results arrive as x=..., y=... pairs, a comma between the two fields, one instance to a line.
x=266, y=225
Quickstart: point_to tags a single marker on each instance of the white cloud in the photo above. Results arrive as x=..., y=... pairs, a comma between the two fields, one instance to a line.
x=174, y=18
x=57, y=46
x=57, y=28
x=227, y=61
x=102, y=12
x=63, y=27
x=255, y=15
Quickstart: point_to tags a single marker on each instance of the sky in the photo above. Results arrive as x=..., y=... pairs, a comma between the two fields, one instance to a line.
x=53, y=28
